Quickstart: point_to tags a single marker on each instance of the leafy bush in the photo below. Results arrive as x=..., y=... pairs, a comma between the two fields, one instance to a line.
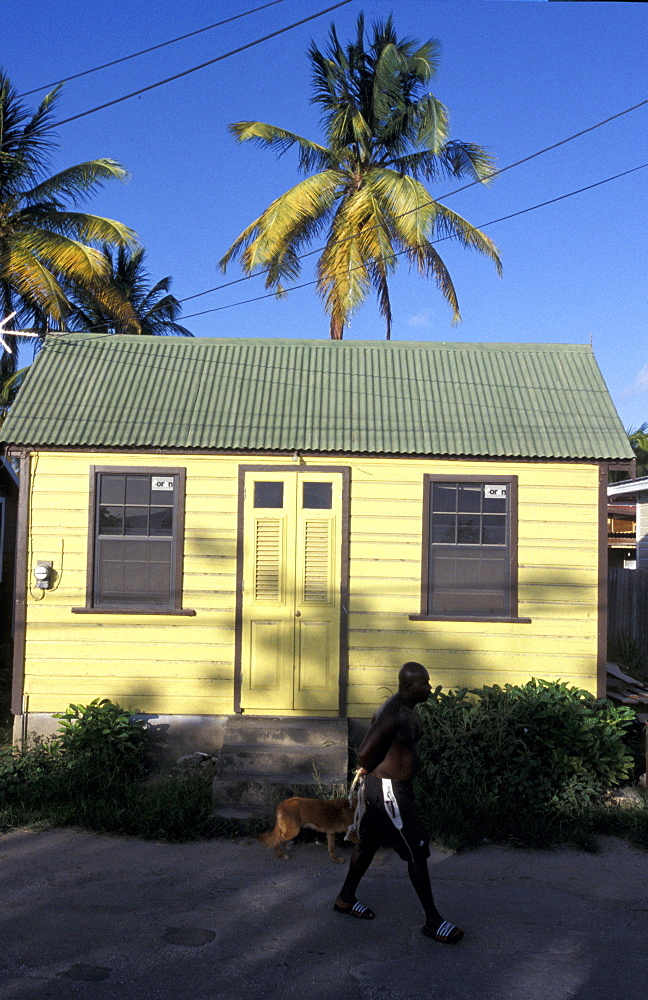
x=89, y=775
x=21, y=770
x=102, y=741
x=97, y=748
x=518, y=763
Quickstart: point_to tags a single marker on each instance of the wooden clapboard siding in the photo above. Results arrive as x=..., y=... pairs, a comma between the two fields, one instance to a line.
x=557, y=586
x=185, y=665
x=156, y=663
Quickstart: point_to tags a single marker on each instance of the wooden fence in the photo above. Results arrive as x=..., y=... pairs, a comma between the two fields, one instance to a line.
x=628, y=606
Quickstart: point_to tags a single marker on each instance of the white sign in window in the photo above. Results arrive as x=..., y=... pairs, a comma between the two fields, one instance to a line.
x=162, y=483
x=495, y=492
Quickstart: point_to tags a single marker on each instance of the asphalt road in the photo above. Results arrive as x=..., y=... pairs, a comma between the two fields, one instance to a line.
x=105, y=917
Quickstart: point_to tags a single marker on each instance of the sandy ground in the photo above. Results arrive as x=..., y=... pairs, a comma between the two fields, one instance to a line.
x=102, y=917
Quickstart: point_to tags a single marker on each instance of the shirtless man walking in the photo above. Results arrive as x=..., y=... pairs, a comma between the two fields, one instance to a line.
x=389, y=759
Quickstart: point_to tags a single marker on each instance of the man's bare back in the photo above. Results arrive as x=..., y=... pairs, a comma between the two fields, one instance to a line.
x=389, y=748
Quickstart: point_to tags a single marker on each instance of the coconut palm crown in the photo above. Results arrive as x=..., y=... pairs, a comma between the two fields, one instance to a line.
x=156, y=310
x=48, y=249
x=385, y=135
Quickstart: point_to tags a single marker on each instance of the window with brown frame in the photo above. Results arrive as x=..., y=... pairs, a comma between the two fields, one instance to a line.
x=470, y=547
x=138, y=527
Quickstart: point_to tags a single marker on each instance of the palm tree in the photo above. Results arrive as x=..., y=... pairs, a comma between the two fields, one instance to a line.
x=47, y=247
x=156, y=310
x=639, y=441
x=384, y=133
x=11, y=380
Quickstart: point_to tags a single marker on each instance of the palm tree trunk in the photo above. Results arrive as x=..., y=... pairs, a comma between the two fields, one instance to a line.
x=337, y=328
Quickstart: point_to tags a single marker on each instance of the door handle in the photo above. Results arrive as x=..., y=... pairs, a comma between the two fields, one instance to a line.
x=297, y=614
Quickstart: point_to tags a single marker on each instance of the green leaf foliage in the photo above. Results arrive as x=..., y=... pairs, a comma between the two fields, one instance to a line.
x=48, y=250
x=518, y=763
x=102, y=738
x=90, y=775
x=639, y=441
x=384, y=135
x=155, y=310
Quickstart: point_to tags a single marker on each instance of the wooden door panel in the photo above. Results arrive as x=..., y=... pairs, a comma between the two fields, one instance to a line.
x=269, y=683
x=316, y=665
x=291, y=592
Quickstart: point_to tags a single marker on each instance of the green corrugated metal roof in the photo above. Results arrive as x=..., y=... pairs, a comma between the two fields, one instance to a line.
x=371, y=397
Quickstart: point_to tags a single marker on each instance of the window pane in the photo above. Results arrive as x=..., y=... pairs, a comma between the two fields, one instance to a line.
x=494, y=505
x=134, y=572
x=464, y=581
x=136, y=521
x=111, y=521
x=494, y=529
x=268, y=494
x=138, y=489
x=443, y=529
x=444, y=496
x=161, y=521
x=468, y=529
x=318, y=496
x=112, y=488
x=470, y=497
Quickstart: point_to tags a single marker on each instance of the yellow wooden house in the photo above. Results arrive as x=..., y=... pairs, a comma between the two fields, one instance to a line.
x=272, y=527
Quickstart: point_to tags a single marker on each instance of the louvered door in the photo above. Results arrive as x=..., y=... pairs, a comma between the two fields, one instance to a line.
x=291, y=592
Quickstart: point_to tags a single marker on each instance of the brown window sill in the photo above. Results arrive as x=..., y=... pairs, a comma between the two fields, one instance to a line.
x=132, y=610
x=468, y=618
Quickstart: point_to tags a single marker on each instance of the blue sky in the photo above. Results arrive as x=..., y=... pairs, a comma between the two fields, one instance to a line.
x=516, y=77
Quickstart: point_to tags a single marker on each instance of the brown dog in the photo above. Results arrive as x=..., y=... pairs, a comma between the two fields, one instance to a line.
x=329, y=816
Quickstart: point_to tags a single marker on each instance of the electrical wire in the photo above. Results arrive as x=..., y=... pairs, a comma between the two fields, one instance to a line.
x=399, y=253
x=442, y=197
x=441, y=239
x=152, y=48
x=210, y=62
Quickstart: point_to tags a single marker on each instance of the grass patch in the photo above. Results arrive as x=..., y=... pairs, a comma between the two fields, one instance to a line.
x=172, y=808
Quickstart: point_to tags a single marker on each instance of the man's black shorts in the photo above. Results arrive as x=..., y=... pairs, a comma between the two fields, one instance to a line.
x=390, y=819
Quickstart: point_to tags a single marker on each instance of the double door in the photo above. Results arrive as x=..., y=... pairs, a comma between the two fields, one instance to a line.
x=291, y=597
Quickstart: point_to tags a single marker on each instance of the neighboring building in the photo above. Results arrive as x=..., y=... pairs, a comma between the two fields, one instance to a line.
x=622, y=534
x=630, y=498
x=273, y=526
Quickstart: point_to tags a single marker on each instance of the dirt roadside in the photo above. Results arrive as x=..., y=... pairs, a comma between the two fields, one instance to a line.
x=102, y=917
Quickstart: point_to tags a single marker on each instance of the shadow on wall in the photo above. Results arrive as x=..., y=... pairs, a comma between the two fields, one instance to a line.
x=560, y=642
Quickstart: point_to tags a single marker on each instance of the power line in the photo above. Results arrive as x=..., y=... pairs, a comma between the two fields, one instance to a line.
x=210, y=62
x=503, y=218
x=425, y=204
x=152, y=48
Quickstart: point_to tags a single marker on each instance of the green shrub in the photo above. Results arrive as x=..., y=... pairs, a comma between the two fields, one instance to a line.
x=97, y=748
x=518, y=763
x=20, y=771
x=101, y=741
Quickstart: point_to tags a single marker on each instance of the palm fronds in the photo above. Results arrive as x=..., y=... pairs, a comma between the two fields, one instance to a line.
x=49, y=251
x=384, y=135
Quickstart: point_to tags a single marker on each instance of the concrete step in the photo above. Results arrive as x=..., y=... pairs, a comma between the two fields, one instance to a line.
x=266, y=790
x=243, y=813
x=250, y=729
x=264, y=758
